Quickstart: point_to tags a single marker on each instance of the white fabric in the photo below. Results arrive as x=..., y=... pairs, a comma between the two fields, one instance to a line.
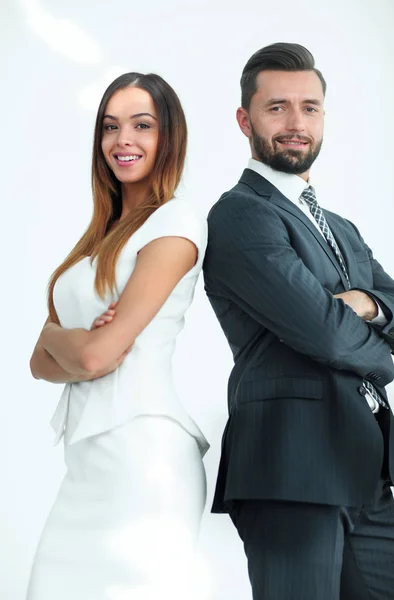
x=126, y=519
x=143, y=384
x=292, y=186
x=127, y=514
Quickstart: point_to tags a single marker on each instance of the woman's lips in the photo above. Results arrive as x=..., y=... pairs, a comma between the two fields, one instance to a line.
x=126, y=160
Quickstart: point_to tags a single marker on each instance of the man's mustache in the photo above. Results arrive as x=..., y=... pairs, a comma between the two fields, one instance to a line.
x=287, y=138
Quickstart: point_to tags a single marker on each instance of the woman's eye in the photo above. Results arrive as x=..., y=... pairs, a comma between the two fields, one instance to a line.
x=109, y=127
x=143, y=126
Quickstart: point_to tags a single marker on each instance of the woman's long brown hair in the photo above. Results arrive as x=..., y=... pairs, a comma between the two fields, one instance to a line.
x=107, y=196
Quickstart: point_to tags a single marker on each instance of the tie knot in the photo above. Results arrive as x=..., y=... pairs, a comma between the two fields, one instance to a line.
x=309, y=195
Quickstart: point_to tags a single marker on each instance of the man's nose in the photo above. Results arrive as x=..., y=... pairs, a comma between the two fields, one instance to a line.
x=295, y=120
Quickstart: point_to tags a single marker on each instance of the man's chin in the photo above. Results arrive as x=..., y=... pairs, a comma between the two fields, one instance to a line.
x=290, y=164
x=295, y=170
x=291, y=153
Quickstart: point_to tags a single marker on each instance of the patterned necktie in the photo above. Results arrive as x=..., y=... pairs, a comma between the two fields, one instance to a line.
x=310, y=198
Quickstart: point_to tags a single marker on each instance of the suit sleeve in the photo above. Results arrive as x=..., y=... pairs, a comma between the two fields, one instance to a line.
x=382, y=292
x=251, y=258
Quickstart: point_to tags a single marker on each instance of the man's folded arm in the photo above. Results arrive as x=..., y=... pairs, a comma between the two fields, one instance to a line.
x=259, y=270
x=383, y=293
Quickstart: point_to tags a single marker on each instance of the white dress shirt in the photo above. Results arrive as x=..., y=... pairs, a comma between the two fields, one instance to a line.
x=292, y=186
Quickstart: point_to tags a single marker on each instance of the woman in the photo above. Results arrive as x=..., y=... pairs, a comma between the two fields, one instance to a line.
x=128, y=510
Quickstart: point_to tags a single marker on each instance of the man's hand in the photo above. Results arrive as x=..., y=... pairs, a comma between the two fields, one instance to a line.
x=362, y=304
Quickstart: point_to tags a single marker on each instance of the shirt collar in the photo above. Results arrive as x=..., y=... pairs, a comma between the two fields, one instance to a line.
x=291, y=186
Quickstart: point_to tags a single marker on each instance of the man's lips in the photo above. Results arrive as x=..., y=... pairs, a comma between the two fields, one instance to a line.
x=293, y=142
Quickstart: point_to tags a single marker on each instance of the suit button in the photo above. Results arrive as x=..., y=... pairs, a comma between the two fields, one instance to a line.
x=362, y=390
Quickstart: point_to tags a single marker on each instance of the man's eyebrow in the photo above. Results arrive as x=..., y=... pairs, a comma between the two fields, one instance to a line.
x=312, y=101
x=277, y=101
x=284, y=101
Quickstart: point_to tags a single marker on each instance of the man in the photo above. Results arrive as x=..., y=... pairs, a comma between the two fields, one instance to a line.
x=307, y=460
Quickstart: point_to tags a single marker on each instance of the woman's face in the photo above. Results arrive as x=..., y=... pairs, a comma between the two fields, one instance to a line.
x=130, y=135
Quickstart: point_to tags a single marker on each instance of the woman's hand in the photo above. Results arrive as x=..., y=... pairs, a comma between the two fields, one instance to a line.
x=105, y=317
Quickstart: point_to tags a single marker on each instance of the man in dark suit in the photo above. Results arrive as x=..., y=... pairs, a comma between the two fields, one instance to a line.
x=307, y=457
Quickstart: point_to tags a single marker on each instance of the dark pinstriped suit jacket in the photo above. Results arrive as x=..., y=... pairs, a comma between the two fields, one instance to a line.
x=299, y=426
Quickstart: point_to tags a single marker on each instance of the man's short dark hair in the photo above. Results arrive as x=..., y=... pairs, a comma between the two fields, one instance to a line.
x=281, y=56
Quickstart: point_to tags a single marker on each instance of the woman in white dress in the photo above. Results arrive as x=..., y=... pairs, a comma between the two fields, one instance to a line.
x=128, y=511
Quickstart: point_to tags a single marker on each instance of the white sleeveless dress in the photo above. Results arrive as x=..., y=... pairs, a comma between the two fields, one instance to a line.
x=128, y=511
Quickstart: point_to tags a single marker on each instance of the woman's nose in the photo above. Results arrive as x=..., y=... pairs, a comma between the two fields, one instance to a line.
x=125, y=136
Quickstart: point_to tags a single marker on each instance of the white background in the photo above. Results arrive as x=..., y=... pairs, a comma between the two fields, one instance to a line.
x=57, y=58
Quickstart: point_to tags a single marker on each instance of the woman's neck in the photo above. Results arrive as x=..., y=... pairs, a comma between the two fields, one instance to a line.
x=133, y=195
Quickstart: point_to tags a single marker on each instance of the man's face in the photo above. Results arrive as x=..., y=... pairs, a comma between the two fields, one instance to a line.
x=285, y=120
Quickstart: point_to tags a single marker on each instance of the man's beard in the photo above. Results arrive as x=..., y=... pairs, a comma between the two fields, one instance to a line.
x=286, y=160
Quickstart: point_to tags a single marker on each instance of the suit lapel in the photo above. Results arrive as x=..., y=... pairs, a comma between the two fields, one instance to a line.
x=264, y=188
x=344, y=245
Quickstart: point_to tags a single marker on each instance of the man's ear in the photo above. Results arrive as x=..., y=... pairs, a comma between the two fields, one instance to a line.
x=244, y=122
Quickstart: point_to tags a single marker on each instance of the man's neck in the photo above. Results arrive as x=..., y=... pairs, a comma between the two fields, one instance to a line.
x=304, y=176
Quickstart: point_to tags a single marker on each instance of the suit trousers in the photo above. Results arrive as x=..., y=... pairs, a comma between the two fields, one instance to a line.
x=300, y=551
